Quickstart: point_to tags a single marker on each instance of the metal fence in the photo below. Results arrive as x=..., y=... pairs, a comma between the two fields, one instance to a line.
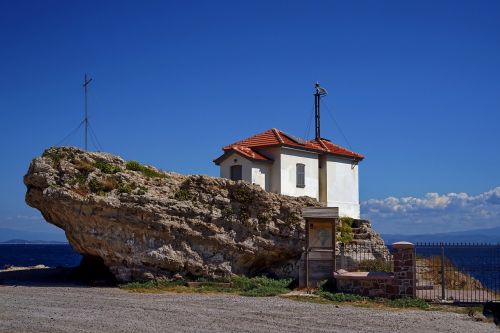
x=458, y=272
x=364, y=257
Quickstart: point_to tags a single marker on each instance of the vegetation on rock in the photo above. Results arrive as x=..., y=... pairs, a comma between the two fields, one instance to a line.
x=345, y=230
x=144, y=169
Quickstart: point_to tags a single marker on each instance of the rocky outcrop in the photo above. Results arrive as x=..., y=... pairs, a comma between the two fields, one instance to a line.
x=144, y=223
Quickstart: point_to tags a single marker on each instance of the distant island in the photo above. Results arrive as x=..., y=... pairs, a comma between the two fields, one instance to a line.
x=491, y=235
x=24, y=241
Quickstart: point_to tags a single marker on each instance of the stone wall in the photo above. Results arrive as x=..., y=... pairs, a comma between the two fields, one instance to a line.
x=400, y=283
x=404, y=270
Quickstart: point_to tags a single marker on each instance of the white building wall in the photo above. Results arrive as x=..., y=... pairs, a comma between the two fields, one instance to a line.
x=261, y=175
x=279, y=176
x=235, y=159
x=343, y=186
x=274, y=153
x=289, y=160
x=252, y=171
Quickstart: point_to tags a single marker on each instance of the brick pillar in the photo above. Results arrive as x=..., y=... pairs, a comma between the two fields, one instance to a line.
x=404, y=269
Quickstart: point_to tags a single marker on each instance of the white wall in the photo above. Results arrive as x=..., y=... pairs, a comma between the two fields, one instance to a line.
x=343, y=186
x=261, y=174
x=341, y=177
x=235, y=159
x=289, y=160
x=274, y=153
x=252, y=171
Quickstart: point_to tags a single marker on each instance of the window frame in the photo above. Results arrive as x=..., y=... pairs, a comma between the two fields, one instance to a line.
x=300, y=175
x=231, y=172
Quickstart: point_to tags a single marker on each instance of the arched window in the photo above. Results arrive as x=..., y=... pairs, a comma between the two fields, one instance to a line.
x=236, y=172
x=300, y=175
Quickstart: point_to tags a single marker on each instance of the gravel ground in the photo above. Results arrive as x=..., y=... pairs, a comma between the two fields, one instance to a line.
x=31, y=308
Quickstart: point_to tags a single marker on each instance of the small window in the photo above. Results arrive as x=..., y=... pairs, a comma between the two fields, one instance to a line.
x=301, y=175
x=236, y=172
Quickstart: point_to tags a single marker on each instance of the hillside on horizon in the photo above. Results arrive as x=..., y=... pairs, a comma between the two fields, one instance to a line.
x=490, y=235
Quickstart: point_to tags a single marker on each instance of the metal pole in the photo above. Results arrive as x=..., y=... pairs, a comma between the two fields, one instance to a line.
x=342, y=256
x=317, y=112
x=86, y=120
x=86, y=113
x=307, y=269
x=442, y=274
x=334, y=242
x=307, y=254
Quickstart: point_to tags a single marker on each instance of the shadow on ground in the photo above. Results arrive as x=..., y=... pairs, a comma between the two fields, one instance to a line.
x=41, y=277
x=90, y=273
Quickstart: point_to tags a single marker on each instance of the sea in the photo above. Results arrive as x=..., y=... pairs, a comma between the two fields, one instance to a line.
x=51, y=255
x=481, y=262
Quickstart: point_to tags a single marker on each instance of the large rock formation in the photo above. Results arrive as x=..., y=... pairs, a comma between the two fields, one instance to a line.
x=144, y=223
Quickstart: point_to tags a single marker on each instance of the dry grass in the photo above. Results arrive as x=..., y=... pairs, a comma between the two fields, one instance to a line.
x=83, y=166
x=430, y=270
x=81, y=190
x=110, y=183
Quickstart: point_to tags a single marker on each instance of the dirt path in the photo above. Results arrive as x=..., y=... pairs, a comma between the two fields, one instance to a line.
x=79, y=309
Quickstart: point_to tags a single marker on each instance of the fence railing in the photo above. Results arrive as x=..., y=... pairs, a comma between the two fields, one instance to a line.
x=458, y=272
x=364, y=257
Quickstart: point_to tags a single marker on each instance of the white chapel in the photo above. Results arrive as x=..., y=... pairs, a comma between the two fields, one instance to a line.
x=284, y=164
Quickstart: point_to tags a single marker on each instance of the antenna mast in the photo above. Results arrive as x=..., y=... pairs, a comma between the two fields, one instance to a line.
x=317, y=96
x=86, y=119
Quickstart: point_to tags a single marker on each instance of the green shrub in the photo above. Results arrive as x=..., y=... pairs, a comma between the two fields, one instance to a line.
x=142, y=190
x=246, y=286
x=96, y=187
x=125, y=188
x=79, y=179
x=152, y=173
x=55, y=156
x=345, y=228
x=293, y=218
x=145, y=170
x=406, y=302
x=182, y=195
x=341, y=297
x=260, y=286
x=244, y=214
x=106, y=167
x=133, y=165
x=242, y=195
x=226, y=212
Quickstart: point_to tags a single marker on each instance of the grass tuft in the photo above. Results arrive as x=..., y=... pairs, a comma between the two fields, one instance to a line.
x=144, y=169
x=106, y=167
x=54, y=155
x=246, y=286
x=79, y=179
x=406, y=302
x=261, y=286
x=183, y=195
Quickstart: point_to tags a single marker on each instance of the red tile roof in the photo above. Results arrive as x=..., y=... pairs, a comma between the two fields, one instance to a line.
x=334, y=149
x=248, y=152
x=275, y=137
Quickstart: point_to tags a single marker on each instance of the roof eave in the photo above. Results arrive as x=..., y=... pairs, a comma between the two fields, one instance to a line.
x=226, y=154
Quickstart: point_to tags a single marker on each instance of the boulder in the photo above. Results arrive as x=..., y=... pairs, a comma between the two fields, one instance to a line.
x=144, y=223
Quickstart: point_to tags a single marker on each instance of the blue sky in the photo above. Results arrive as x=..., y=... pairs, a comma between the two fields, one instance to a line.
x=414, y=86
